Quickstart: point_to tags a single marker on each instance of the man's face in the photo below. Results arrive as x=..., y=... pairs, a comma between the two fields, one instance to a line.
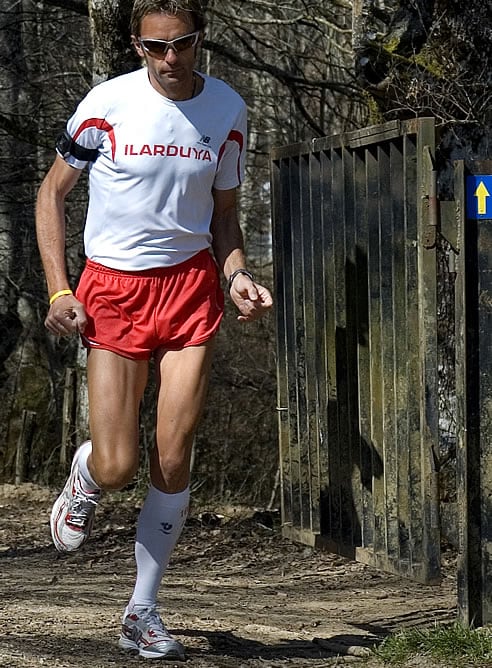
x=171, y=74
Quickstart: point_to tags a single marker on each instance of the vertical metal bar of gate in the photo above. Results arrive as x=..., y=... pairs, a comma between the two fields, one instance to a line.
x=355, y=271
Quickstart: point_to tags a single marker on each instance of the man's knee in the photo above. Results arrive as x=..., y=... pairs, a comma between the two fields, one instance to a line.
x=172, y=470
x=113, y=473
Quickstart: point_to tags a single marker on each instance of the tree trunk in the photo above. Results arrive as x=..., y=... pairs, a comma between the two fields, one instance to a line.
x=19, y=355
x=110, y=28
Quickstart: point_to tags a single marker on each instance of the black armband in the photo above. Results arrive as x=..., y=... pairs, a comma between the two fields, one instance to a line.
x=66, y=146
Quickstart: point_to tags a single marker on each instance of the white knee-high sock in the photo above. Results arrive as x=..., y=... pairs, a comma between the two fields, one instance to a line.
x=159, y=526
x=85, y=477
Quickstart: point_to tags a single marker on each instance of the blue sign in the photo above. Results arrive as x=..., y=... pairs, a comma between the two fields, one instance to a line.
x=479, y=196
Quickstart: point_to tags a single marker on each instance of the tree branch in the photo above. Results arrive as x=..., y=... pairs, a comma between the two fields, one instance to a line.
x=77, y=6
x=19, y=131
x=279, y=74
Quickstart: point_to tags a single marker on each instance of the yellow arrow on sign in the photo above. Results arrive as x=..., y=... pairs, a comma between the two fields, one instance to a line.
x=481, y=193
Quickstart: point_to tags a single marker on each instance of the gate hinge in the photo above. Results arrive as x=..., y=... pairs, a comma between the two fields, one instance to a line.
x=448, y=222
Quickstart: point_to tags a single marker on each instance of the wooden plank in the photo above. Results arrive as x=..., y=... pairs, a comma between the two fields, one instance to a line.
x=281, y=258
x=429, y=403
x=316, y=342
x=291, y=151
x=465, y=612
x=341, y=520
x=369, y=463
x=401, y=346
x=359, y=138
x=351, y=479
x=327, y=390
x=375, y=345
x=300, y=298
x=355, y=139
x=413, y=479
x=341, y=476
x=330, y=517
x=295, y=345
x=308, y=432
x=388, y=334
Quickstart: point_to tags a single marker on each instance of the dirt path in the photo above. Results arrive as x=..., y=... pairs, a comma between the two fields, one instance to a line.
x=236, y=595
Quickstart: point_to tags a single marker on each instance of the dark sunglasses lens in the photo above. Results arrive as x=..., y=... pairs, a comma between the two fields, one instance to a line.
x=155, y=47
x=184, y=43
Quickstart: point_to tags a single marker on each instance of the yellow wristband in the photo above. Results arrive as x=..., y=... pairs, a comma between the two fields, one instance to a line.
x=60, y=293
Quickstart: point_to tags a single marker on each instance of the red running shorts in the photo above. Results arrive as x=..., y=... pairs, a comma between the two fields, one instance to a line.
x=136, y=313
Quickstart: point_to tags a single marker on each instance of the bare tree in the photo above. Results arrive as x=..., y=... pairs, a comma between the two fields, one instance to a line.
x=426, y=57
x=30, y=367
x=305, y=67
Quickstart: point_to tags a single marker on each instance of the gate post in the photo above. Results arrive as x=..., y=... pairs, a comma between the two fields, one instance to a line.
x=473, y=190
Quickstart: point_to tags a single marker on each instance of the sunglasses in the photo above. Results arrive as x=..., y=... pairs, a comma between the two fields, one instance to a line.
x=159, y=47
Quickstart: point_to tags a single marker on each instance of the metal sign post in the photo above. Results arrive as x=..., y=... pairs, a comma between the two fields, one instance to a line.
x=474, y=392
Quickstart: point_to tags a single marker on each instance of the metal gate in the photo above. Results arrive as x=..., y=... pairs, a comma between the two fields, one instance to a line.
x=355, y=224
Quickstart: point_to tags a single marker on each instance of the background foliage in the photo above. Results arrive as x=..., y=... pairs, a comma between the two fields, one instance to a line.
x=306, y=68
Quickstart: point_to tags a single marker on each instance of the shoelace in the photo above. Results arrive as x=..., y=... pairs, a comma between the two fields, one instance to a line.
x=81, y=507
x=153, y=620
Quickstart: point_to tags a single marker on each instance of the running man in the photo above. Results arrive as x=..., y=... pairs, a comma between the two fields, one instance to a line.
x=165, y=149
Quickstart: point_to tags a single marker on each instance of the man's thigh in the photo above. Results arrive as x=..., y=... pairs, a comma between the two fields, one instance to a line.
x=182, y=381
x=116, y=385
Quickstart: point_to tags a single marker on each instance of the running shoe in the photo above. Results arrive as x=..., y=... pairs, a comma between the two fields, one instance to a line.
x=73, y=512
x=142, y=631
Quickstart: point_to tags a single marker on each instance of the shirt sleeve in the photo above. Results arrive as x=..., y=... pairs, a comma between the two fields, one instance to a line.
x=87, y=127
x=232, y=154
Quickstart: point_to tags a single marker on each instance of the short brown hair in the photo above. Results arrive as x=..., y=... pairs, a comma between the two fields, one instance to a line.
x=143, y=7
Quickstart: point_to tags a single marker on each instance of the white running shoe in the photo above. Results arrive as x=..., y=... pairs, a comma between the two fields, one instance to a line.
x=73, y=512
x=142, y=631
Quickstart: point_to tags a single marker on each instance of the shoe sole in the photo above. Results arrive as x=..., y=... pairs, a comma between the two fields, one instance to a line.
x=175, y=653
x=56, y=511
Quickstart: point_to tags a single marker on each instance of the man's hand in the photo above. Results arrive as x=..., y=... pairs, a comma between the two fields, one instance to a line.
x=66, y=316
x=252, y=300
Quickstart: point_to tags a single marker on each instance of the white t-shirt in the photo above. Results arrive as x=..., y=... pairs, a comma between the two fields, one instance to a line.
x=150, y=189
